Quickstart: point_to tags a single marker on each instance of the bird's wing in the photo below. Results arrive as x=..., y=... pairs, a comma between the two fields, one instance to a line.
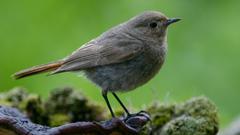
x=101, y=53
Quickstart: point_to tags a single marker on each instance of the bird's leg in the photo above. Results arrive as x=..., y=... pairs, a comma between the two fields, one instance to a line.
x=120, y=102
x=129, y=116
x=104, y=94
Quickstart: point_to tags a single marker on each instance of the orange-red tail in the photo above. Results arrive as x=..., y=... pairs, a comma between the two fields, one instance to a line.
x=37, y=70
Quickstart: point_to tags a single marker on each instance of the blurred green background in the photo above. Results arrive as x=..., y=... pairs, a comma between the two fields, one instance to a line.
x=203, y=58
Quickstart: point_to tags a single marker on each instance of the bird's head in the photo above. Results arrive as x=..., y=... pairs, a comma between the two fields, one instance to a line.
x=150, y=24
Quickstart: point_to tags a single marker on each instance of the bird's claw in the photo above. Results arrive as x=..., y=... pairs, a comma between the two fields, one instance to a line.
x=140, y=114
x=137, y=120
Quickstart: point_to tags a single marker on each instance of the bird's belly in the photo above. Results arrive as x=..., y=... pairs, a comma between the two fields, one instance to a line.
x=124, y=76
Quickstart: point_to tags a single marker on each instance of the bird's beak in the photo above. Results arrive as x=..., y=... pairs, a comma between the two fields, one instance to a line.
x=172, y=20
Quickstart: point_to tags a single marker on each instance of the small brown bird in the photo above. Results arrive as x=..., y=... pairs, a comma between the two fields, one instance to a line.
x=121, y=59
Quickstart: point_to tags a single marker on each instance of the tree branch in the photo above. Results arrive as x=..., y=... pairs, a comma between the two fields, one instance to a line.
x=11, y=120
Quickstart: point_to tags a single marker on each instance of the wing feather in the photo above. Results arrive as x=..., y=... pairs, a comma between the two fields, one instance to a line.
x=101, y=53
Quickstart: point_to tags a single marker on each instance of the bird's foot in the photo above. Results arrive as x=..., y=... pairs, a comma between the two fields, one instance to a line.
x=137, y=120
x=141, y=113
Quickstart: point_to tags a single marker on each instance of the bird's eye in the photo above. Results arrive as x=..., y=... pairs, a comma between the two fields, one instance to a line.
x=153, y=24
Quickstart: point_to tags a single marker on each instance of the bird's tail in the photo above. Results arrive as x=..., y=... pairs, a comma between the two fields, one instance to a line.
x=37, y=69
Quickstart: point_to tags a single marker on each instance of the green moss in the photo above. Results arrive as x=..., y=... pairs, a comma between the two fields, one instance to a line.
x=186, y=125
x=197, y=116
x=66, y=104
x=74, y=104
x=160, y=114
x=58, y=119
x=118, y=112
x=5, y=103
x=13, y=97
x=183, y=125
x=198, y=108
x=34, y=109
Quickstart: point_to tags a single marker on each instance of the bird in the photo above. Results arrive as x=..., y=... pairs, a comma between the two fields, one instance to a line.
x=119, y=60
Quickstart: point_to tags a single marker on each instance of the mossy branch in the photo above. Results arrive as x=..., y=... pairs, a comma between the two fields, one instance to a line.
x=12, y=122
x=69, y=112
